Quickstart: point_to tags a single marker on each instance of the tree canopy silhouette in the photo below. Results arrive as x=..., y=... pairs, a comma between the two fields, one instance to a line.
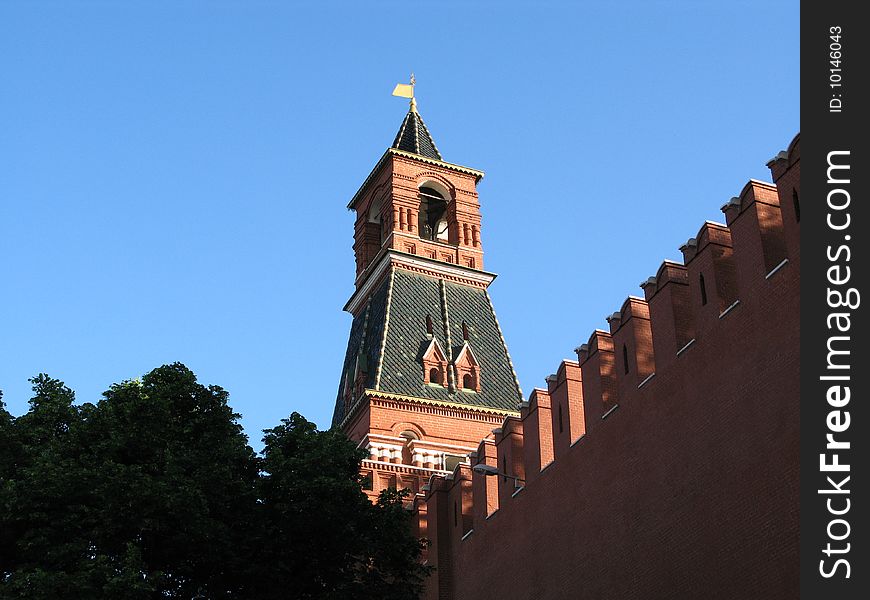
x=154, y=492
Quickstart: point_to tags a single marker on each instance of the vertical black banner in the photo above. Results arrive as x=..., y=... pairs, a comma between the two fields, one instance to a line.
x=835, y=437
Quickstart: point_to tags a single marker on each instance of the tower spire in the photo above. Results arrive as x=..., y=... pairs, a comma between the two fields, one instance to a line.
x=413, y=135
x=413, y=99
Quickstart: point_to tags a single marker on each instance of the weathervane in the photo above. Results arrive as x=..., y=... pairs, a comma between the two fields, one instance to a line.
x=404, y=90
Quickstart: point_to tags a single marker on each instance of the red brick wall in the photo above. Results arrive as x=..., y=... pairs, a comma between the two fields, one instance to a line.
x=689, y=487
x=395, y=185
x=440, y=424
x=787, y=176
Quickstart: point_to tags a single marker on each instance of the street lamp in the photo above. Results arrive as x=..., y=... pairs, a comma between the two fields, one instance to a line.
x=484, y=469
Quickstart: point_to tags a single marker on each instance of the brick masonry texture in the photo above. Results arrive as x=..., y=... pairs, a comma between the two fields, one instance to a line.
x=674, y=475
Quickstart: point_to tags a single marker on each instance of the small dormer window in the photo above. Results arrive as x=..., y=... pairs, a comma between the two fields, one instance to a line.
x=434, y=364
x=467, y=369
x=432, y=215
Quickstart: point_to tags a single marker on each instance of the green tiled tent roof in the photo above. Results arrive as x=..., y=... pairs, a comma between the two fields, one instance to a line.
x=395, y=320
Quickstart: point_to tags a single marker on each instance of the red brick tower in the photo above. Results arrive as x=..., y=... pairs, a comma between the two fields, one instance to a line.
x=427, y=374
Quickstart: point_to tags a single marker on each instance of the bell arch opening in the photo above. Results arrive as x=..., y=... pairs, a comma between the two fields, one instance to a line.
x=433, y=214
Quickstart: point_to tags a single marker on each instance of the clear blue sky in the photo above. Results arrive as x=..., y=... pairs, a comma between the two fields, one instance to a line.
x=174, y=175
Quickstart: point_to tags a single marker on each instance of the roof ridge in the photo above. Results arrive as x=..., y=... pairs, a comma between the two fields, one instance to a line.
x=380, y=364
x=416, y=133
x=429, y=135
x=451, y=379
x=504, y=345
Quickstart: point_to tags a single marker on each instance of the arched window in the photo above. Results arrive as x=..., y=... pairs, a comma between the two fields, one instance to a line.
x=409, y=435
x=468, y=381
x=434, y=376
x=703, y=290
x=797, y=205
x=625, y=358
x=375, y=211
x=374, y=220
x=432, y=215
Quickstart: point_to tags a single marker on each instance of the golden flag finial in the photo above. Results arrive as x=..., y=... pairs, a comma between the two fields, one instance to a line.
x=404, y=90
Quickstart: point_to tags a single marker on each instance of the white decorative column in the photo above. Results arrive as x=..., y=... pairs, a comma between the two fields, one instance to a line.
x=373, y=451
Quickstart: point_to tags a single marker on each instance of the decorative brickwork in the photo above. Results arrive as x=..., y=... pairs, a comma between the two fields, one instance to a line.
x=426, y=375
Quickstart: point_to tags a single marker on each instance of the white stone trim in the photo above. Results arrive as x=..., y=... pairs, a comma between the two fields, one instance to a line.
x=441, y=268
x=686, y=347
x=379, y=367
x=729, y=309
x=644, y=382
x=465, y=449
x=504, y=345
x=396, y=257
x=608, y=413
x=362, y=294
x=776, y=268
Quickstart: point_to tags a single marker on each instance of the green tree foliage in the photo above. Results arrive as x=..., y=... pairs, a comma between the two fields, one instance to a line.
x=318, y=521
x=153, y=492
x=137, y=496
